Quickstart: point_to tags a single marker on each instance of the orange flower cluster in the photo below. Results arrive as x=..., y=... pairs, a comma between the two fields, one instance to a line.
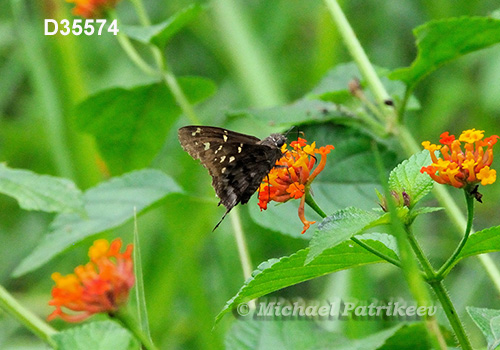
x=292, y=176
x=92, y=8
x=102, y=285
x=462, y=168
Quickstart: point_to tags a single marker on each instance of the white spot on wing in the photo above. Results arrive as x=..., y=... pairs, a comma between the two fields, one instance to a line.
x=223, y=170
x=224, y=137
x=207, y=145
x=218, y=149
x=239, y=149
x=231, y=159
x=198, y=131
x=222, y=158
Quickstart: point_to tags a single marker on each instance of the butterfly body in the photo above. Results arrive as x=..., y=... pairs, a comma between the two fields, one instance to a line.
x=237, y=162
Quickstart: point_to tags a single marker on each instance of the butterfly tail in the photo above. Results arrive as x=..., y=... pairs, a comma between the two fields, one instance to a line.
x=223, y=216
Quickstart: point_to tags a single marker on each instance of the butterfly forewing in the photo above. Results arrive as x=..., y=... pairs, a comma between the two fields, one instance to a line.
x=236, y=162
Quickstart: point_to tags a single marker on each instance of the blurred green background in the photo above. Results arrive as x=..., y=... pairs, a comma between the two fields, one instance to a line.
x=190, y=272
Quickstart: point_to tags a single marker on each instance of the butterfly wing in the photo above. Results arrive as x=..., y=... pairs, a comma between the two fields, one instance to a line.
x=236, y=162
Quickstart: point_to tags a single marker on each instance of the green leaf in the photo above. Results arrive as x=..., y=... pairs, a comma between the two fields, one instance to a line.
x=339, y=227
x=443, y=40
x=103, y=335
x=484, y=241
x=334, y=87
x=408, y=178
x=108, y=205
x=40, y=192
x=487, y=321
x=302, y=111
x=257, y=335
x=250, y=334
x=130, y=125
x=159, y=34
x=275, y=274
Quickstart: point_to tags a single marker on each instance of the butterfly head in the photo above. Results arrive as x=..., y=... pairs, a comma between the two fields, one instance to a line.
x=274, y=140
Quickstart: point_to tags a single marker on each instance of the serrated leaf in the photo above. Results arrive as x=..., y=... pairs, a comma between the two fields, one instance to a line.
x=130, y=125
x=484, y=241
x=40, y=192
x=107, y=205
x=487, y=321
x=408, y=178
x=337, y=228
x=276, y=274
x=443, y=40
x=103, y=335
x=159, y=34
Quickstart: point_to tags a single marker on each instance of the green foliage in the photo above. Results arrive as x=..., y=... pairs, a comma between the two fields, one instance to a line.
x=484, y=241
x=406, y=177
x=103, y=335
x=107, y=205
x=130, y=124
x=444, y=40
x=159, y=34
x=337, y=228
x=488, y=321
x=40, y=192
x=276, y=274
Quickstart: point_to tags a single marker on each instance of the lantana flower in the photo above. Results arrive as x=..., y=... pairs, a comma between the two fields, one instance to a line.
x=102, y=285
x=462, y=167
x=292, y=176
x=92, y=8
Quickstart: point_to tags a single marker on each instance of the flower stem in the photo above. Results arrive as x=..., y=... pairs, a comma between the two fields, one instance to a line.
x=443, y=271
x=26, y=317
x=419, y=253
x=451, y=313
x=124, y=318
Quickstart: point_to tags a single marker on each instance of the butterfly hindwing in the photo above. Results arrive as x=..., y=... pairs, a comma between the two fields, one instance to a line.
x=236, y=162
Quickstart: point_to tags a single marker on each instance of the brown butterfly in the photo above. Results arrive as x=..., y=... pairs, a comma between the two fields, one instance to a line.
x=236, y=162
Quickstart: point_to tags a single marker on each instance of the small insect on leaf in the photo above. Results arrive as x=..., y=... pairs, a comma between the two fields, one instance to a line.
x=236, y=162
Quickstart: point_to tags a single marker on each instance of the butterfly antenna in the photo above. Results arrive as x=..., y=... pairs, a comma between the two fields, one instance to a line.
x=223, y=216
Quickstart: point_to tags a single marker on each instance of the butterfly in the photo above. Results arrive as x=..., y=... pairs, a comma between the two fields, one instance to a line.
x=237, y=162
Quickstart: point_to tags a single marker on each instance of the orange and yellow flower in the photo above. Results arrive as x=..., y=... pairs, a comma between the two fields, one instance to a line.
x=92, y=8
x=292, y=176
x=462, y=167
x=102, y=285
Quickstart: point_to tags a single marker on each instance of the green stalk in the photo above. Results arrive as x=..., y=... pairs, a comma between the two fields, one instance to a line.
x=253, y=67
x=419, y=253
x=239, y=236
x=451, y=314
x=45, y=87
x=124, y=317
x=26, y=317
x=443, y=271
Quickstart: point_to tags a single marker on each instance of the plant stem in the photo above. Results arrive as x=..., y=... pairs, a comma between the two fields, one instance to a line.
x=451, y=313
x=419, y=253
x=358, y=54
x=251, y=62
x=179, y=96
x=26, y=317
x=124, y=317
x=45, y=87
x=443, y=271
x=239, y=237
